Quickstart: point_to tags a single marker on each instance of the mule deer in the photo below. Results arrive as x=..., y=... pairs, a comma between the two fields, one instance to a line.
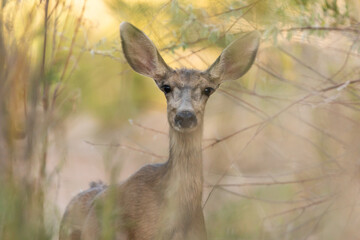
x=162, y=201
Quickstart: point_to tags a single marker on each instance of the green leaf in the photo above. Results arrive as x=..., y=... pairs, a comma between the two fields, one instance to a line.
x=289, y=35
x=175, y=7
x=229, y=38
x=214, y=36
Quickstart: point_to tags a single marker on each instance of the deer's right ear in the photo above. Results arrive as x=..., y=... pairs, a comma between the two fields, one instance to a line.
x=141, y=53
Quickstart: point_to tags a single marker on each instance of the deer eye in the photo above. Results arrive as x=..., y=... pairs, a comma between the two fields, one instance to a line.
x=208, y=91
x=166, y=89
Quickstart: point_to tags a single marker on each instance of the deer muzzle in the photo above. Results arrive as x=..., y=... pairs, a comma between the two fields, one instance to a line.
x=185, y=119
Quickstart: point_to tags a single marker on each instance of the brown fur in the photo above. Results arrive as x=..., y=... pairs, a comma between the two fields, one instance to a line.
x=76, y=212
x=160, y=201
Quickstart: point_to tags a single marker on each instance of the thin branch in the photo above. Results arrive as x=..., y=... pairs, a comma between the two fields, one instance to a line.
x=244, y=102
x=316, y=226
x=232, y=162
x=302, y=208
x=235, y=9
x=73, y=40
x=261, y=199
x=340, y=86
x=232, y=135
x=346, y=59
x=239, y=17
x=42, y=70
x=253, y=93
x=148, y=128
x=305, y=65
x=315, y=93
x=280, y=78
x=189, y=55
x=270, y=183
x=127, y=147
x=311, y=28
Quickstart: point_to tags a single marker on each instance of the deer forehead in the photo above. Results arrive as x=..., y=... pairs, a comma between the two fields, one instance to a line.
x=188, y=79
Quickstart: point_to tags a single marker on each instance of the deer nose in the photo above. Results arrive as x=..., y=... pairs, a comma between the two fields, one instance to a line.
x=185, y=119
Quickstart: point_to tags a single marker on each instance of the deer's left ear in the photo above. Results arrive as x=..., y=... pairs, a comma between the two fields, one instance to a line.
x=236, y=59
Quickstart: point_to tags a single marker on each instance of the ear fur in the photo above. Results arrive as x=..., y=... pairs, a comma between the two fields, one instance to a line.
x=141, y=53
x=236, y=59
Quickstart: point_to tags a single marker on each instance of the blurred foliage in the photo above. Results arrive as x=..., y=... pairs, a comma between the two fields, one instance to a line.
x=190, y=23
x=37, y=57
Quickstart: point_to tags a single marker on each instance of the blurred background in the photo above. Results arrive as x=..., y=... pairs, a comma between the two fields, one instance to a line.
x=281, y=144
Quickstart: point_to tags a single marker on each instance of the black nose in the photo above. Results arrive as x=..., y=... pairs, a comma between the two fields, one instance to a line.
x=185, y=119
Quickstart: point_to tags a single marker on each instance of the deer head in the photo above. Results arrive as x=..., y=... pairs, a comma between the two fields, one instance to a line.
x=187, y=90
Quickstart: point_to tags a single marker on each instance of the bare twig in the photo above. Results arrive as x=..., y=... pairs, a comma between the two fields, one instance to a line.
x=148, y=128
x=312, y=28
x=271, y=183
x=76, y=31
x=232, y=162
x=261, y=199
x=127, y=147
x=235, y=9
x=301, y=208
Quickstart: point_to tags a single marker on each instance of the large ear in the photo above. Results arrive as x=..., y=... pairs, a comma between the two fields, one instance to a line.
x=236, y=59
x=141, y=53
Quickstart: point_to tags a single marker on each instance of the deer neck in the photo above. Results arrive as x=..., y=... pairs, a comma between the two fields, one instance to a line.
x=185, y=166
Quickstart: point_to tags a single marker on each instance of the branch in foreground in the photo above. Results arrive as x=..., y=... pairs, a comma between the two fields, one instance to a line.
x=302, y=208
x=261, y=199
x=127, y=147
x=310, y=28
x=269, y=183
x=338, y=87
